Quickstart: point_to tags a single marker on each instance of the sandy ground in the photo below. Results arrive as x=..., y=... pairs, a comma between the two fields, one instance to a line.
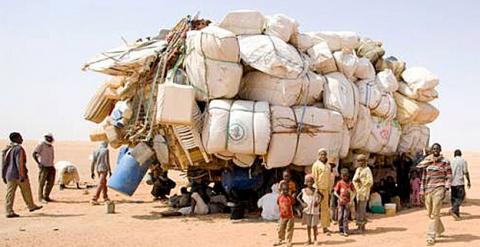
x=72, y=221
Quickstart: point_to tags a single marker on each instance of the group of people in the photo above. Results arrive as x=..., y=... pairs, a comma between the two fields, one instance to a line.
x=432, y=178
x=314, y=199
x=15, y=172
x=324, y=197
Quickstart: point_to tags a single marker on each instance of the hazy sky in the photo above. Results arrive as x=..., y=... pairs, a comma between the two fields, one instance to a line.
x=43, y=45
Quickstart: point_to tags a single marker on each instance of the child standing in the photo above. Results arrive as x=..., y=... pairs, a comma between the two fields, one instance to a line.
x=310, y=199
x=287, y=179
x=285, y=203
x=415, y=190
x=344, y=190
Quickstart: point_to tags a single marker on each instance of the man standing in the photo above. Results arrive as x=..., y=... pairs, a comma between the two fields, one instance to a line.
x=101, y=164
x=459, y=172
x=363, y=181
x=44, y=156
x=15, y=174
x=321, y=172
x=435, y=182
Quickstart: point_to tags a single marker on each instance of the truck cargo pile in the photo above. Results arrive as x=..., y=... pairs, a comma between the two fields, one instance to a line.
x=253, y=88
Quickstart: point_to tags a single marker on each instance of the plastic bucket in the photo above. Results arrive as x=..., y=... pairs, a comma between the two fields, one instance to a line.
x=127, y=175
x=390, y=209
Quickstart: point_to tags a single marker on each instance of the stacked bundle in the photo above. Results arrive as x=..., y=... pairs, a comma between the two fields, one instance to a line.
x=255, y=88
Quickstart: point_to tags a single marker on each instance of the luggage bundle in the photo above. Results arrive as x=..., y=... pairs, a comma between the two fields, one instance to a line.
x=255, y=89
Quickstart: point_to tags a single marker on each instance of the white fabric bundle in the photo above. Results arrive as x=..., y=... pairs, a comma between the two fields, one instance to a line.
x=386, y=81
x=272, y=56
x=127, y=59
x=414, y=138
x=345, y=147
x=304, y=41
x=281, y=26
x=215, y=43
x=242, y=160
x=420, y=78
x=386, y=108
x=365, y=69
x=243, y=22
x=410, y=111
x=347, y=63
x=213, y=66
x=298, y=133
x=419, y=94
x=340, y=39
x=257, y=85
x=369, y=93
x=379, y=102
x=239, y=127
x=341, y=95
x=384, y=136
x=160, y=147
x=321, y=57
x=361, y=130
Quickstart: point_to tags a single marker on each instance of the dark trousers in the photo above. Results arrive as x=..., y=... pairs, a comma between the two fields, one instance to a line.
x=343, y=215
x=457, y=197
x=46, y=178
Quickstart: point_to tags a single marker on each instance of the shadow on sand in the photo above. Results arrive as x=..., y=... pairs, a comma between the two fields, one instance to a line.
x=463, y=238
x=42, y=215
x=381, y=230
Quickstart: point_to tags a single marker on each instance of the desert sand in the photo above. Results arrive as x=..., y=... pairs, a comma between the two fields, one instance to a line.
x=72, y=221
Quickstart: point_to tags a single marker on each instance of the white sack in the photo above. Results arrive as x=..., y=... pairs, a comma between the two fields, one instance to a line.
x=211, y=78
x=345, y=147
x=386, y=81
x=215, y=43
x=272, y=56
x=241, y=160
x=339, y=40
x=386, y=108
x=281, y=26
x=160, y=146
x=384, y=136
x=410, y=111
x=346, y=62
x=321, y=57
x=127, y=59
x=304, y=41
x=319, y=128
x=422, y=95
x=243, y=22
x=420, y=78
x=239, y=127
x=257, y=85
x=414, y=138
x=365, y=69
x=369, y=93
x=361, y=130
x=342, y=96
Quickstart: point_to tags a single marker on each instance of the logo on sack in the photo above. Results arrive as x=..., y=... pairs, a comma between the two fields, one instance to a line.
x=237, y=132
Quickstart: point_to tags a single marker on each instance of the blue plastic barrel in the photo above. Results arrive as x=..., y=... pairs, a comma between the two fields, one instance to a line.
x=127, y=175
